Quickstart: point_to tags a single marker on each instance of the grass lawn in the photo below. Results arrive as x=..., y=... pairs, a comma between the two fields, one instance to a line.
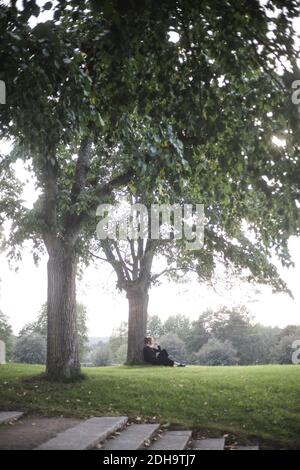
x=254, y=402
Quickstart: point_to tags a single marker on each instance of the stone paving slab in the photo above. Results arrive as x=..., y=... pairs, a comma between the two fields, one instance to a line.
x=31, y=431
x=7, y=416
x=85, y=435
x=132, y=438
x=172, y=440
x=209, y=444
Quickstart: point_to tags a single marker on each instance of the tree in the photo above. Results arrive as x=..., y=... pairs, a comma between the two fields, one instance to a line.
x=102, y=355
x=179, y=325
x=6, y=335
x=197, y=337
x=223, y=100
x=80, y=142
x=82, y=329
x=174, y=345
x=100, y=88
x=252, y=342
x=120, y=354
x=264, y=338
x=118, y=342
x=155, y=327
x=30, y=349
x=216, y=353
x=54, y=79
x=39, y=327
x=234, y=325
x=282, y=351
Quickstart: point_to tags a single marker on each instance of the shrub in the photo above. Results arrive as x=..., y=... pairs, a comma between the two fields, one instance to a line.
x=102, y=355
x=215, y=353
x=174, y=345
x=31, y=349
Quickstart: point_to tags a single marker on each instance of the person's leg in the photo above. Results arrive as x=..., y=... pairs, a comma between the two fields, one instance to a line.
x=170, y=362
x=155, y=362
x=164, y=359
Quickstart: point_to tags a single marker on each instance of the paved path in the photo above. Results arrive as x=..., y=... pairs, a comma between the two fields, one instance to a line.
x=172, y=440
x=209, y=444
x=31, y=431
x=18, y=431
x=132, y=438
x=85, y=435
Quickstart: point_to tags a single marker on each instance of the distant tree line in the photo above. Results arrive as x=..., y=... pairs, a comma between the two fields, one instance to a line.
x=30, y=346
x=221, y=337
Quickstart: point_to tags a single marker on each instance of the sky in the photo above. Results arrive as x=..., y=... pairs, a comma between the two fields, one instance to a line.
x=23, y=292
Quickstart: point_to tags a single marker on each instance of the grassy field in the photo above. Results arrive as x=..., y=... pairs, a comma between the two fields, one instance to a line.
x=254, y=402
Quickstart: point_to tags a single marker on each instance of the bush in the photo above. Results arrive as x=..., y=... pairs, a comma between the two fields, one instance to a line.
x=39, y=327
x=120, y=355
x=216, y=353
x=282, y=351
x=102, y=356
x=174, y=345
x=31, y=349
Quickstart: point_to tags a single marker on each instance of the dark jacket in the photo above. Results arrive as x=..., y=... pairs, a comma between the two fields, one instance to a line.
x=150, y=354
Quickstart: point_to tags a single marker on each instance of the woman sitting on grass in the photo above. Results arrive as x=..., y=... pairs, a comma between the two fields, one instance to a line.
x=153, y=354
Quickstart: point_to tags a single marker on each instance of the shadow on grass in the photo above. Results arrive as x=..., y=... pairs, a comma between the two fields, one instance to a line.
x=44, y=378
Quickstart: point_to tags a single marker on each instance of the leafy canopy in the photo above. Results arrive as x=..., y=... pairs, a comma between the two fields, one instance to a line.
x=183, y=100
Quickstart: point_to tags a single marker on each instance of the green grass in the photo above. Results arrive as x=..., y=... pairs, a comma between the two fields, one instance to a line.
x=251, y=402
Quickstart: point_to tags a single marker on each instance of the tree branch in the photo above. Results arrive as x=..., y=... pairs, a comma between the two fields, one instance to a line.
x=100, y=192
x=114, y=263
x=121, y=261
x=82, y=167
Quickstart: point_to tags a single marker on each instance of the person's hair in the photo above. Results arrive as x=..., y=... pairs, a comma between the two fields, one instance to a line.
x=147, y=340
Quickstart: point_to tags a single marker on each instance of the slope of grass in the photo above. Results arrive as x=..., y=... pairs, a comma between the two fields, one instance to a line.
x=251, y=402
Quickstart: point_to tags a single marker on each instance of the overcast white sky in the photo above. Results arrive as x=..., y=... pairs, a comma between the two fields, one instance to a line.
x=23, y=292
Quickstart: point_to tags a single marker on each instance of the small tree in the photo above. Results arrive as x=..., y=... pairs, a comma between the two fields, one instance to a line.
x=198, y=336
x=119, y=355
x=39, y=326
x=31, y=349
x=233, y=325
x=282, y=352
x=118, y=342
x=217, y=353
x=102, y=355
x=264, y=340
x=155, y=327
x=174, y=345
x=178, y=325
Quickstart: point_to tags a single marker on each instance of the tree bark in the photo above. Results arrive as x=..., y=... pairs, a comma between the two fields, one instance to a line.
x=62, y=344
x=137, y=323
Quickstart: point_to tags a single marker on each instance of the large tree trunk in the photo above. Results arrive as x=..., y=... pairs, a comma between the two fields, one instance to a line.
x=62, y=344
x=137, y=323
